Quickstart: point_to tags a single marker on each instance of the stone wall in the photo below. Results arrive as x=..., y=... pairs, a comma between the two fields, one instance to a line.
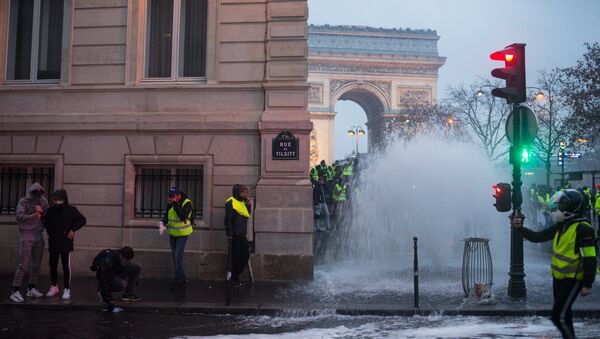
x=102, y=119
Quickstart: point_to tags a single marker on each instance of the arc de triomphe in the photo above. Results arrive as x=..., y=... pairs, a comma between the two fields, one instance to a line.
x=382, y=70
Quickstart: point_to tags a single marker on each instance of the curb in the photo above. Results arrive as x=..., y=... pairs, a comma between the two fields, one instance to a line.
x=283, y=310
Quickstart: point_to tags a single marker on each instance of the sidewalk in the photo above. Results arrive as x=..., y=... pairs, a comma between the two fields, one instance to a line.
x=292, y=299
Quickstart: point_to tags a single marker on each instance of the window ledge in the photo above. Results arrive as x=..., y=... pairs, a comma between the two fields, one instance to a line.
x=151, y=223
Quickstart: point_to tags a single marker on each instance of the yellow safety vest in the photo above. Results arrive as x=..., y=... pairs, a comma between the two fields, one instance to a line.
x=239, y=206
x=566, y=263
x=175, y=226
x=339, y=193
x=348, y=169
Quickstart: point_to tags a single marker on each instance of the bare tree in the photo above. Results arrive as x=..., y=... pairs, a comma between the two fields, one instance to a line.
x=482, y=114
x=581, y=90
x=553, y=116
x=424, y=118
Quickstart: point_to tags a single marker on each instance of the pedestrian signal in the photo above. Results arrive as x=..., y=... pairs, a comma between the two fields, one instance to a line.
x=503, y=195
x=520, y=155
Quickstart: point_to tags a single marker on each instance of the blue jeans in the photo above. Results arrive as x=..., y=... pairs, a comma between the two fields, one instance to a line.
x=177, y=247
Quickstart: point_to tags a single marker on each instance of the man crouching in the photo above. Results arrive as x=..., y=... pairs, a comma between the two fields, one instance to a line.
x=116, y=272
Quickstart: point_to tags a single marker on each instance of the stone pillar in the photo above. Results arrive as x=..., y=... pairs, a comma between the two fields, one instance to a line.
x=283, y=213
x=323, y=127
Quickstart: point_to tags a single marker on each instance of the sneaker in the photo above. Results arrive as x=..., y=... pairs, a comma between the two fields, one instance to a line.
x=17, y=297
x=52, y=291
x=33, y=292
x=235, y=282
x=66, y=294
x=130, y=297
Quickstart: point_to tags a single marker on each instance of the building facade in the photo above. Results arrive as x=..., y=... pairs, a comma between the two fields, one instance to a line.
x=385, y=71
x=116, y=100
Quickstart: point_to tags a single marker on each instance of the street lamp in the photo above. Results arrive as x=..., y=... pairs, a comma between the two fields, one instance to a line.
x=358, y=132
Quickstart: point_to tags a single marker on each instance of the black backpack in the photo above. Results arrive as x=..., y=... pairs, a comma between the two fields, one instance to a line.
x=98, y=259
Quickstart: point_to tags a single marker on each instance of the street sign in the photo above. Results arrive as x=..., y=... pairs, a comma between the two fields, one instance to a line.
x=285, y=146
x=574, y=155
x=527, y=127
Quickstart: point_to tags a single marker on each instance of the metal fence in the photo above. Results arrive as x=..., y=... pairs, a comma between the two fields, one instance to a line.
x=152, y=186
x=16, y=180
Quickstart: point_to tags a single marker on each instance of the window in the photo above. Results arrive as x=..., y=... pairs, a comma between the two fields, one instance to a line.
x=176, y=39
x=35, y=40
x=16, y=180
x=153, y=183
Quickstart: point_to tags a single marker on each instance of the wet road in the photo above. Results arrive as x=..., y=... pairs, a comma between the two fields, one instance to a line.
x=32, y=323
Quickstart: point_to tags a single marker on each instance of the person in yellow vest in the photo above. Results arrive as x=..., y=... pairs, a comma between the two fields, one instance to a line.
x=179, y=223
x=597, y=203
x=348, y=170
x=588, y=195
x=339, y=197
x=574, y=260
x=237, y=214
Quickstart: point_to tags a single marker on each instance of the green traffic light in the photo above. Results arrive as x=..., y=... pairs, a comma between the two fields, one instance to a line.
x=525, y=156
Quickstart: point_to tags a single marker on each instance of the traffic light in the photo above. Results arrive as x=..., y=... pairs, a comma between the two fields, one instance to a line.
x=513, y=72
x=503, y=197
x=520, y=154
x=561, y=158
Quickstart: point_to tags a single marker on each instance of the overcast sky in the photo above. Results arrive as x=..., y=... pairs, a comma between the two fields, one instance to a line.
x=469, y=30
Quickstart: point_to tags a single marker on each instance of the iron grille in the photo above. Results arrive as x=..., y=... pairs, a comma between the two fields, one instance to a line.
x=15, y=181
x=152, y=185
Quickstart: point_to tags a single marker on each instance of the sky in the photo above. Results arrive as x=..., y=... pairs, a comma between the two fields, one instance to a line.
x=469, y=30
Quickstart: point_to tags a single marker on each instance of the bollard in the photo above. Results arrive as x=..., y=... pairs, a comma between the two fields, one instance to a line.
x=416, y=275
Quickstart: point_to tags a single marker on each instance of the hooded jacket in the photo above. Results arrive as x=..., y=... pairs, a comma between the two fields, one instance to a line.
x=110, y=266
x=235, y=224
x=59, y=221
x=28, y=224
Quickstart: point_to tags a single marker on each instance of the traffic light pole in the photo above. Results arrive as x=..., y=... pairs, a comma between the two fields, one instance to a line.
x=516, y=283
x=562, y=171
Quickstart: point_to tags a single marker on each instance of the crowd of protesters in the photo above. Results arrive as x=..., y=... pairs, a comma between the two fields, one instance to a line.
x=538, y=197
x=331, y=191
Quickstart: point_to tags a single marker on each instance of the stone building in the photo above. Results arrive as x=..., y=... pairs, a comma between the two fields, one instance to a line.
x=116, y=100
x=385, y=71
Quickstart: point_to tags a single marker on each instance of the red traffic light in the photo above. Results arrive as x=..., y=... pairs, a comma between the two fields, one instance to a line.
x=513, y=72
x=507, y=55
x=503, y=197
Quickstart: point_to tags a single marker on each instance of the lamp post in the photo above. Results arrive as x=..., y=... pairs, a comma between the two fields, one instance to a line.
x=356, y=131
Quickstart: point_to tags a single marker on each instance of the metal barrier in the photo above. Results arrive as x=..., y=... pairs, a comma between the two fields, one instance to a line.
x=477, y=270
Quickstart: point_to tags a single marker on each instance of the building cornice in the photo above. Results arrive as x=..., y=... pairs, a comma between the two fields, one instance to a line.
x=380, y=31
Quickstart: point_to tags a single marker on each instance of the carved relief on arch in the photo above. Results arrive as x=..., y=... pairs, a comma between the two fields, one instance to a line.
x=410, y=96
x=381, y=89
x=314, y=147
x=315, y=93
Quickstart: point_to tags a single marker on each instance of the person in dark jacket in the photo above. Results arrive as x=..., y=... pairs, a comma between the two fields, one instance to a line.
x=574, y=260
x=61, y=222
x=237, y=213
x=116, y=272
x=320, y=206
